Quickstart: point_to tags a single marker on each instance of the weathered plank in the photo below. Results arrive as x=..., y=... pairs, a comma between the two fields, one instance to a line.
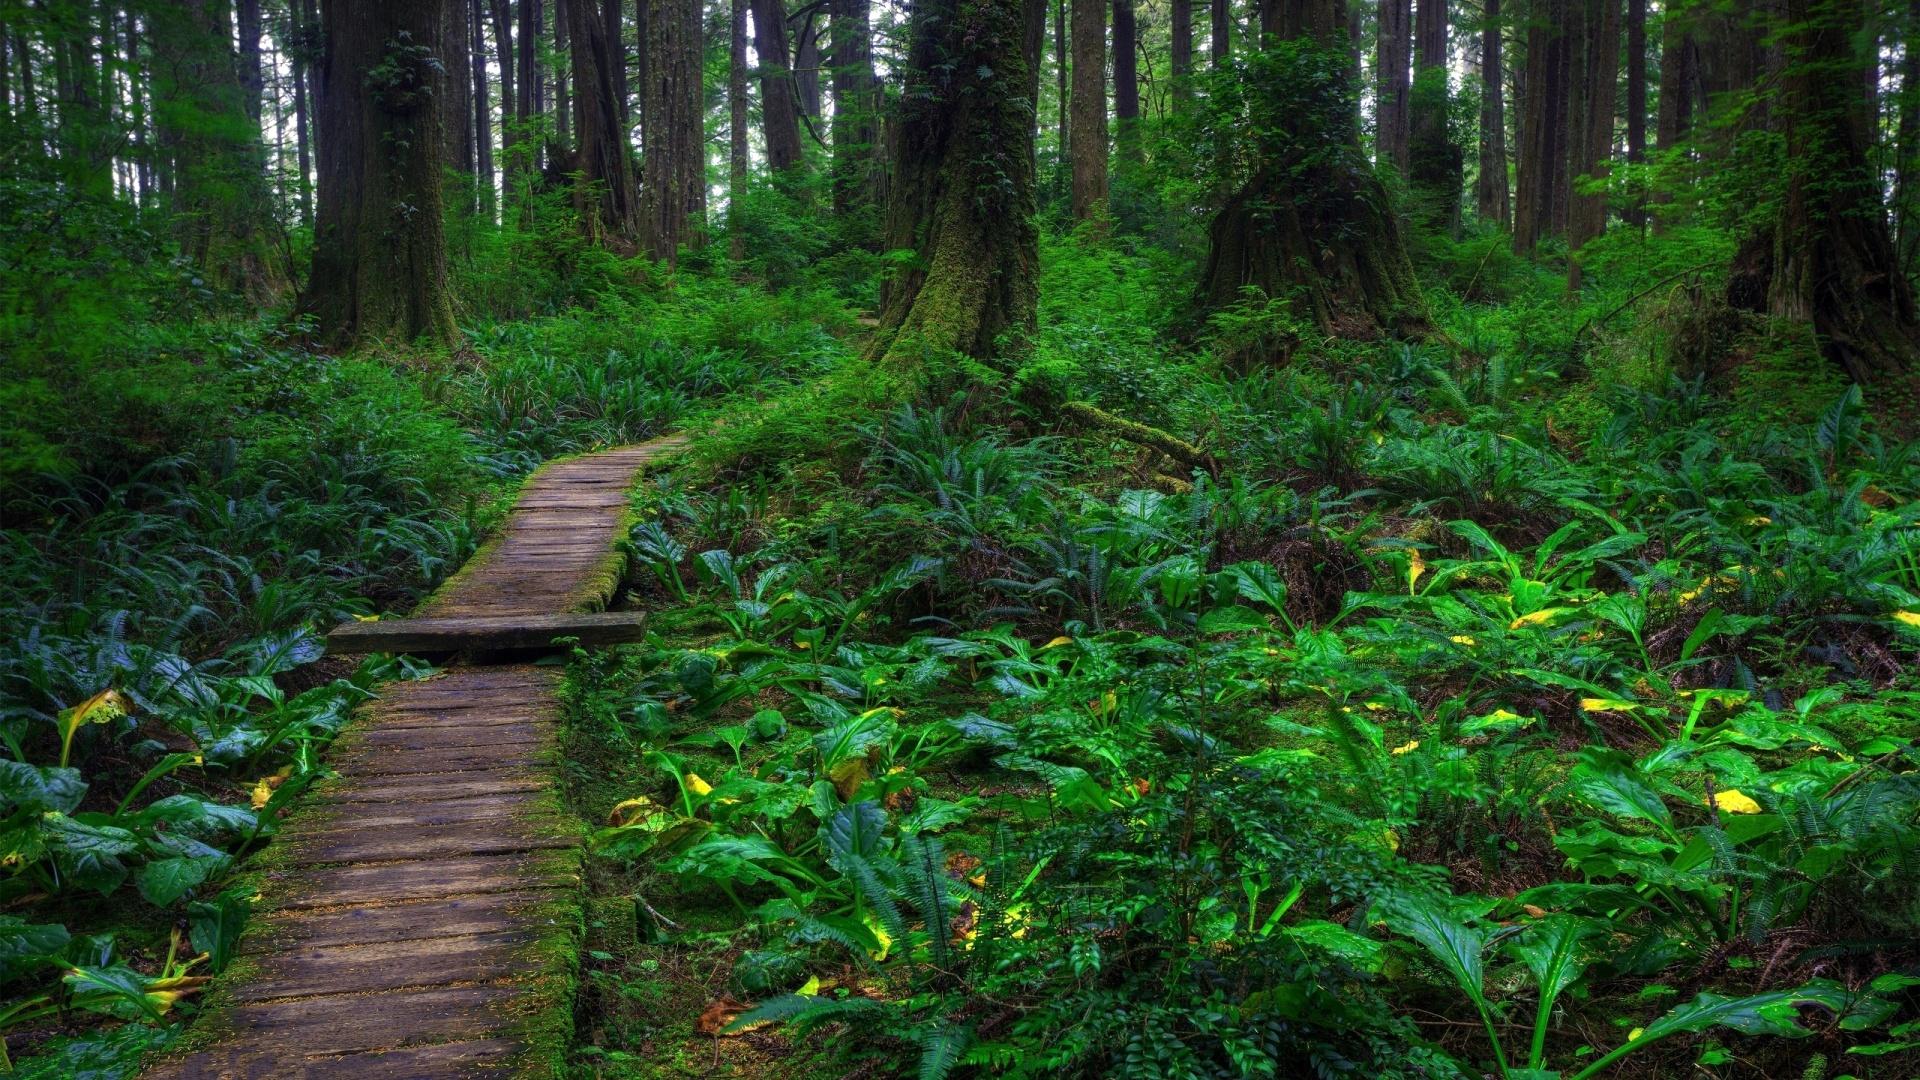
x=470, y=633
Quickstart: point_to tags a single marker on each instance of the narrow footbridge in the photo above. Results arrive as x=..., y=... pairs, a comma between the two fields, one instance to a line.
x=419, y=914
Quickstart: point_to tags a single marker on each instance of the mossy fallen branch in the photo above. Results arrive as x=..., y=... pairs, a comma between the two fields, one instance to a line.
x=1140, y=434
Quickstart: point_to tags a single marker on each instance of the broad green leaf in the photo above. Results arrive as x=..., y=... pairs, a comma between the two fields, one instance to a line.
x=164, y=881
x=37, y=789
x=1610, y=780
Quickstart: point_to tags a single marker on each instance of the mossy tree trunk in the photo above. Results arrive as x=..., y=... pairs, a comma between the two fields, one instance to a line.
x=222, y=207
x=1435, y=163
x=379, y=252
x=1311, y=222
x=962, y=196
x=1830, y=260
x=606, y=195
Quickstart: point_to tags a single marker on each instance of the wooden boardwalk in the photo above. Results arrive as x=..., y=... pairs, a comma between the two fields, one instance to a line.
x=419, y=914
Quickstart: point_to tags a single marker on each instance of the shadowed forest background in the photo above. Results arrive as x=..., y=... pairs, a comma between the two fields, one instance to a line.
x=1293, y=538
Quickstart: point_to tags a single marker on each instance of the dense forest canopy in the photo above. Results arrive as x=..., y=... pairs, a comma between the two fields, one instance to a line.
x=1281, y=538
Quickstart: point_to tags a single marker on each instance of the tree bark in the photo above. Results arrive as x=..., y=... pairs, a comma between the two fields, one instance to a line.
x=675, y=159
x=613, y=17
x=779, y=108
x=1543, y=128
x=222, y=206
x=526, y=103
x=738, y=153
x=503, y=53
x=1088, y=140
x=1592, y=147
x=1220, y=38
x=604, y=193
x=1435, y=163
x=1126, y=80
x=857, y=177
x=1832, y=261
x=806, y=65
x=1906, y=172
x=1636, y=214
x=1393, y=87
x=252, y=84
x=1311, y=227
x=563, y=47
x=963, y=195
x=379, y=255
x=482, y=109
x=1063, y=167
x=1491, y=193
x=1181, y=50
x=458, y=124
x=306, y=48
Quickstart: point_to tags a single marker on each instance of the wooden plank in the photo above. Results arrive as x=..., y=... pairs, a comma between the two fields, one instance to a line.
x=459, y=876
x=363, y=969
x=435, y=842
x=466, y=1058
x=484, y=632
x=370, y=924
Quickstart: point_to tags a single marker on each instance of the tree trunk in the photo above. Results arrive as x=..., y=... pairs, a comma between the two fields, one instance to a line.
x=1181, y=51
x=1063, y=167
x=675, y=158
x=779, y=109
x=1393, y=88
x=1832, y=262
x=856, y=174
x=482, y=108
x=1088, y=141
x=1126, y=80
x=503, y=55
x=29, y=109
x=1220, y=37
x=1543, y=129
x=1309, y=226
x=1906, y=172
x=604, y=193
x=252, y=84
x=379, y=254
x=1435, y=163
x=1592, y=148
x=458, y=125
x=1636, y=214
x=563, y=38
x=222, y=206
x=613, y=17
x=738, y=154
x=963, y=191
x=526, y=103
x=640, y=73
x=1490, y=189
x=306, y=50
x=806, y=65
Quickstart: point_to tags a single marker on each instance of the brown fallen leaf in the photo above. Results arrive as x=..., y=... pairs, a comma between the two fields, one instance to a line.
x=716, y=1018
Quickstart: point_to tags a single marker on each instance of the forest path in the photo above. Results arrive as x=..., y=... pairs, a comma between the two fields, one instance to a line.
x=419, y=913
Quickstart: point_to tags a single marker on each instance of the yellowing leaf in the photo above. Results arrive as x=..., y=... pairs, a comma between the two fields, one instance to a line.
x=848, y=776
x=1734, y=801
x=698, y=786
x=366, y=618
x=1056, y=642
x=262, y=792
x=1463, y=639
x=630, y=811
x=98, y=709
x=885, y=939
x=1407, y=748
x=1607, y=704
x=811, y=988
x=803, y=645
x=1538, y=618
x=1416, y=566
x=1635, y=1033
x=1911, y=618
x=1759, y=519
